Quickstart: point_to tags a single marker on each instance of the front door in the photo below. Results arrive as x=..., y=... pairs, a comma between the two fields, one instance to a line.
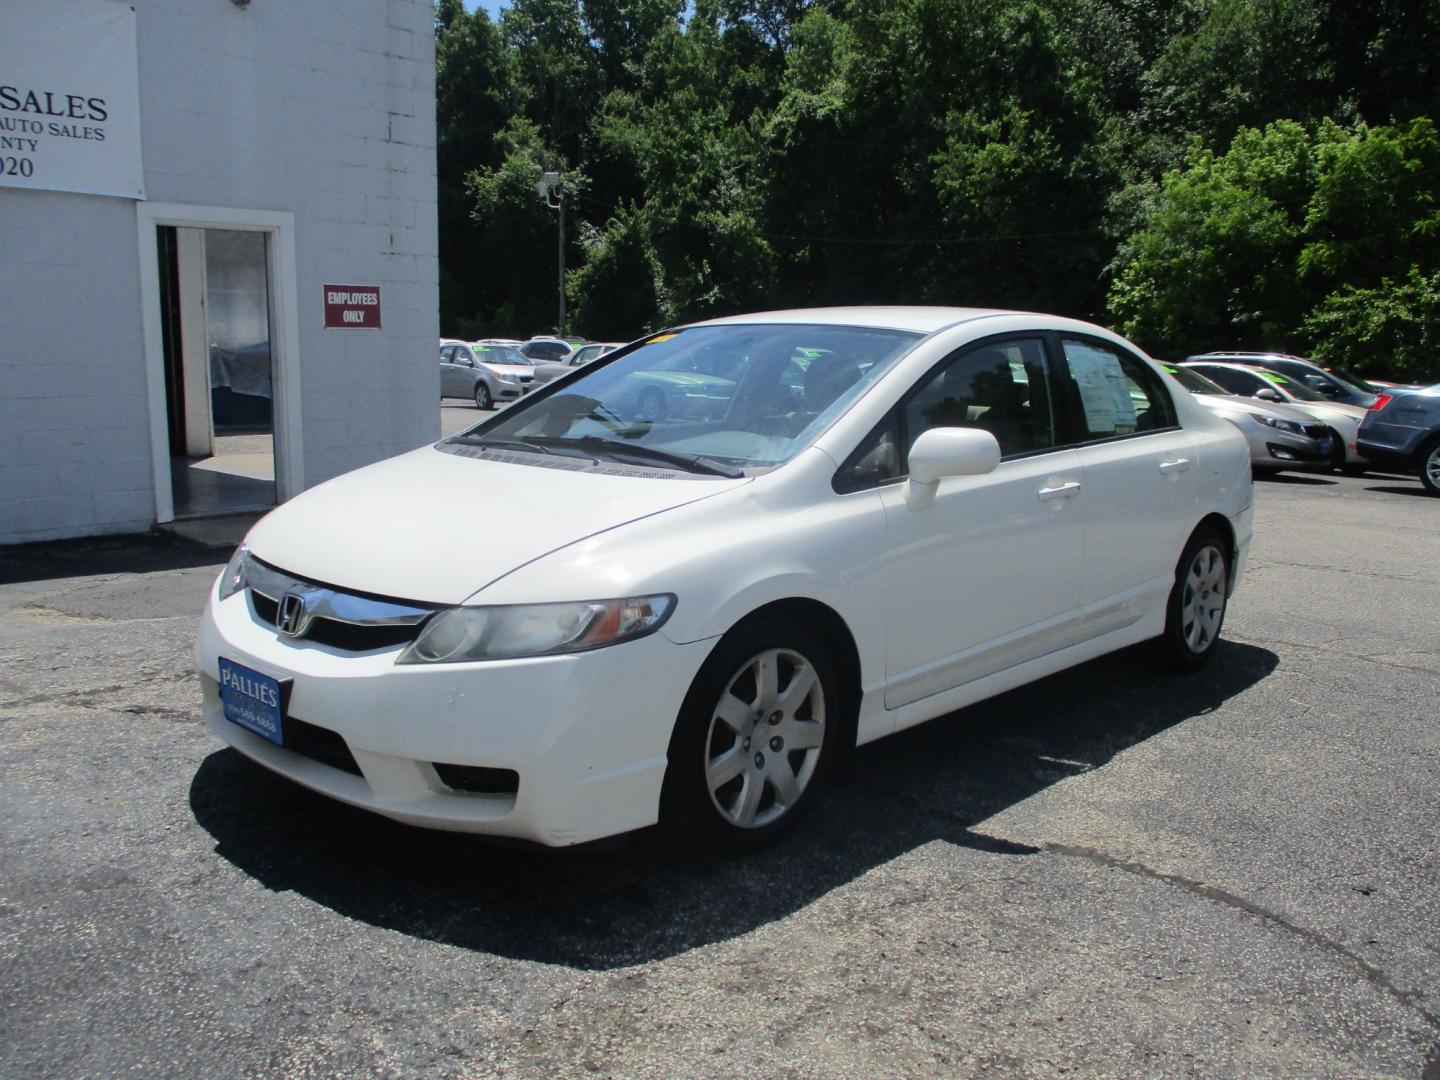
x=988, y=575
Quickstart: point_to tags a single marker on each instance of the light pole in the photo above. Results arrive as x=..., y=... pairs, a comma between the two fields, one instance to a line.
x=552, y=191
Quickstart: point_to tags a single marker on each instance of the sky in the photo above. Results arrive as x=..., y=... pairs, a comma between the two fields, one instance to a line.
x=492, y=6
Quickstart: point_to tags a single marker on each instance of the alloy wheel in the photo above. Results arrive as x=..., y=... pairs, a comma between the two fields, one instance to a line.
x=765, y=737
x=1202, y=604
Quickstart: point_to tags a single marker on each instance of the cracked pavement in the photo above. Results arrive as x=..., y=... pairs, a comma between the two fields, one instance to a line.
x=1111, y=872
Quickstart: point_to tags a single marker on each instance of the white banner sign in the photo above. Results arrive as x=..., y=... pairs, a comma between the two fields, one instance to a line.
x=69, y=97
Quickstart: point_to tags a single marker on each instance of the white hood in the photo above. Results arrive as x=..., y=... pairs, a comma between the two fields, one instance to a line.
x=436, y=527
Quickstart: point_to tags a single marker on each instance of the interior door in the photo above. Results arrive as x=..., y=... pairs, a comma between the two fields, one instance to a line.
x=988, y=575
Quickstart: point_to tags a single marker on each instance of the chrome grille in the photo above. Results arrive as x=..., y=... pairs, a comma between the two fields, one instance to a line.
x=354, y=622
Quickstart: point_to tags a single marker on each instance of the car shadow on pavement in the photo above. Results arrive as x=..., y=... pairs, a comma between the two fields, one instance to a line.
x=1294, y=479
x=138, y=554
x=636, y=899
x=1416, y=488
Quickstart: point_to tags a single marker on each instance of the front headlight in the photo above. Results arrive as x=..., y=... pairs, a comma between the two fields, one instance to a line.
x=1293, y=426
x=502, y=376
x=461, y=634
x=236, y=574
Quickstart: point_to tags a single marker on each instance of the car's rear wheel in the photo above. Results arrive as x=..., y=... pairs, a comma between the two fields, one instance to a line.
x=1430, y=466
x=754, y=736
x=1196, y=611
x=483, y=399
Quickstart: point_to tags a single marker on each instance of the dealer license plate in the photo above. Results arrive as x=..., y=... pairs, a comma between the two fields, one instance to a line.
x=252, y=700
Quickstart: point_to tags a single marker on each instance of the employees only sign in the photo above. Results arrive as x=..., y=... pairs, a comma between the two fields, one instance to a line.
x=69, y=97
x=352, y=307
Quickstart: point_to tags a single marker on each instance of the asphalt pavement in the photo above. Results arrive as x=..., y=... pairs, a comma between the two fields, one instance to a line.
x=1112, y=872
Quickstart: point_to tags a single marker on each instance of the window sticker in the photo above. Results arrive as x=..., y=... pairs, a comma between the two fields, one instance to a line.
x=1104, y=390
x=661, y=337
x=1273, y=376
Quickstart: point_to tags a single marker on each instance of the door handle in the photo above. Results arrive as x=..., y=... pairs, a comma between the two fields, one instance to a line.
x=1175, y=465
x=1059, y=491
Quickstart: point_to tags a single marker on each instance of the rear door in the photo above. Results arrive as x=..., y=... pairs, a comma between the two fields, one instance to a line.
x=1142, y=479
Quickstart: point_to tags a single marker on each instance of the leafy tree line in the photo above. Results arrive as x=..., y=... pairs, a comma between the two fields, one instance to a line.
x=1200, y=173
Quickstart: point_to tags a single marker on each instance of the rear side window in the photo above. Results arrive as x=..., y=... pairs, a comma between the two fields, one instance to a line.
x=1237, y=382
x=1118, y=393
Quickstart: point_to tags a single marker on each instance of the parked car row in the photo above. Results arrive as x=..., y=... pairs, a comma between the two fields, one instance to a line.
x=497, y=370
x=1297, y=415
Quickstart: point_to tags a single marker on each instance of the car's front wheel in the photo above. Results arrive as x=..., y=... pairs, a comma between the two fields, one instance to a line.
x=1430, y=466
x=652, y=405
x=754, y=736
x=1196, y=609
x=482, y=396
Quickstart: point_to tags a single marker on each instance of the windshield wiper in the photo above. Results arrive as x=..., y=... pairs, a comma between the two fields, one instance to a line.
x=503, y=444
x=599, y=445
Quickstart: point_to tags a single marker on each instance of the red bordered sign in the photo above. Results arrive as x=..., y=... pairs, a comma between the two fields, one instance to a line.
x=352, y=307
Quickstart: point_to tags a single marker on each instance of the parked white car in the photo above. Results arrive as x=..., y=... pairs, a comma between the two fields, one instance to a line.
x=568, y=622
x=1281, y=438
x=1271, y=386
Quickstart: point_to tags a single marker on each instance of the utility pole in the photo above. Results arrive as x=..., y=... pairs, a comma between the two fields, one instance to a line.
x=552, y=190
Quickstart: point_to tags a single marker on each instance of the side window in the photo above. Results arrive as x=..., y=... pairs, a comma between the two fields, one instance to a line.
x=447, y=354
x=1237, y=382
x=1002, y=388
x=1119, y=394
x=875, y=460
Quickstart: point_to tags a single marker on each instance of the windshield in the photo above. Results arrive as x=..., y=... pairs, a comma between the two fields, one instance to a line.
x=500, y=354
x=744, y=396
x=1194, y=381
x=1352, y=380
x=1294, y=387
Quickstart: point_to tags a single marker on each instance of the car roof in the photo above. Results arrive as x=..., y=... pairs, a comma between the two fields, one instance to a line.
x=924, y=320
x=1243, y=356
x=1233, y=364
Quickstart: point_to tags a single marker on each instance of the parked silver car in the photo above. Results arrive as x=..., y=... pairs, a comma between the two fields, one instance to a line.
x=545, y=370
x=1281, y=438
x=486, y=374
x=1265, y=385
x=1332, y=383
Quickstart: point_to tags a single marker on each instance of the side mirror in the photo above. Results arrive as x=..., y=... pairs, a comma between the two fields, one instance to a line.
x=947, y=451
x=1269, y=395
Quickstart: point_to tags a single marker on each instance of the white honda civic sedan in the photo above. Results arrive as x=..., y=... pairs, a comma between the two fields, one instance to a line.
x=880, y=516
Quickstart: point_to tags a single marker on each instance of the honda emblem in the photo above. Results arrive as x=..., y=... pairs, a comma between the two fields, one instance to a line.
x=292, y=618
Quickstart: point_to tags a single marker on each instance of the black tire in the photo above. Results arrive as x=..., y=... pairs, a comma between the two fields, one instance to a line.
x=1430, y=466
x=483, y=399
x=704, y=739
x=1337, y=452
x=651, y=405
x=1192, y=621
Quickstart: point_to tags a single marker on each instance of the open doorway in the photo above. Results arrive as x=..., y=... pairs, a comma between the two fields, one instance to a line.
x=216, y=332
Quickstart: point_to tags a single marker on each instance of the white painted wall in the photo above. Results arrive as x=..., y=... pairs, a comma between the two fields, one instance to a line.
x=326, y=111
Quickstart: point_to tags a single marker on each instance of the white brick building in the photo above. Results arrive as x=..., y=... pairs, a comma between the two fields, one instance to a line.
x=286, y=145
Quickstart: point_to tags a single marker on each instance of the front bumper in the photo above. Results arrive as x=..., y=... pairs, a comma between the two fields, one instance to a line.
x=587, y=734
